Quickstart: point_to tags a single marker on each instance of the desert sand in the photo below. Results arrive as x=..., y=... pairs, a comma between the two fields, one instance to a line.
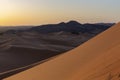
x=97, y=59
x=23, y=50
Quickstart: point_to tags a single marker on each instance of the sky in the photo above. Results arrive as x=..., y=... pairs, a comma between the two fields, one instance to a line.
x=37, y=12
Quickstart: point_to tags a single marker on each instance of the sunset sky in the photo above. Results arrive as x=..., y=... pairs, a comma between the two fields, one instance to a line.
x=35, y=12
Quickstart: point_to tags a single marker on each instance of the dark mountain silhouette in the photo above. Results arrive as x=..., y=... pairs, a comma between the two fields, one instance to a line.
x=72, y=26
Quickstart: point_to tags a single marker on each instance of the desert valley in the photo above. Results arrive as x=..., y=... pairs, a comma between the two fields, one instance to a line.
x=21, y=49
x=97, y=59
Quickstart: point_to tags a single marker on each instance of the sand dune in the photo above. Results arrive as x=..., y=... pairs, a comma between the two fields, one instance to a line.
x=97, y=59
x=18, y=50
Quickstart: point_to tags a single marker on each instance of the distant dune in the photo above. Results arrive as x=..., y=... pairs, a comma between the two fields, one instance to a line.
x=97, y=59
x=6, y=28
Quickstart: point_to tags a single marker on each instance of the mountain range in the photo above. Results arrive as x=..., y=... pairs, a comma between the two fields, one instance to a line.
x=71, y=26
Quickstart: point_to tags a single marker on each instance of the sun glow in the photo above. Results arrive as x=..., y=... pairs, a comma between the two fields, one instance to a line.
x=35, y=12
x=6, y=8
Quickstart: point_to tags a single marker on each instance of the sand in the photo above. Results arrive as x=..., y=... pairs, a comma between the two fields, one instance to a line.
x=97, y=59
x=18, y=50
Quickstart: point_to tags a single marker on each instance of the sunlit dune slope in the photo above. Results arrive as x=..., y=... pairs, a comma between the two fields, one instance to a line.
x=97, y=59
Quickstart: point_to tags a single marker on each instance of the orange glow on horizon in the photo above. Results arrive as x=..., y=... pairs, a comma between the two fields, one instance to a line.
x=37, y=12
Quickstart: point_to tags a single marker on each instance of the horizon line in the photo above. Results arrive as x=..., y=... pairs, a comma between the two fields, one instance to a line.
x=28, y=25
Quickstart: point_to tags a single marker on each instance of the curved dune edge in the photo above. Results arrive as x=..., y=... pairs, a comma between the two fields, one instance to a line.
x=97, y=59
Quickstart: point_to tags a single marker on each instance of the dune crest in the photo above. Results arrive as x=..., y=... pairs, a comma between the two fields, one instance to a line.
x=97, y=59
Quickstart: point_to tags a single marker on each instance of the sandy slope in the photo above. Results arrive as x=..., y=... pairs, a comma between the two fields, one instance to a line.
x=98, y=59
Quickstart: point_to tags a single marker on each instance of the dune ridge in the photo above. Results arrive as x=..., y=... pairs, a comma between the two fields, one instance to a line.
x=97, y=59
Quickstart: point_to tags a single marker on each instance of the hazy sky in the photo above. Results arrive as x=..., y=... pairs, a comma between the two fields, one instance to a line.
x=34, y=12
